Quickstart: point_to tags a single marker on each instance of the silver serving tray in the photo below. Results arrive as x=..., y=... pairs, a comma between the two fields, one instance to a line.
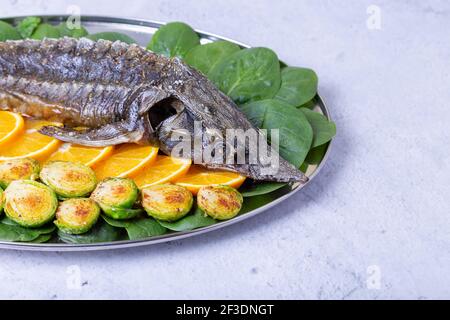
x=142, y=31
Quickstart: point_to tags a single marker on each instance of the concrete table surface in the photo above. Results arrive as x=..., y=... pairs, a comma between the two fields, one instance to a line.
x=374, y=224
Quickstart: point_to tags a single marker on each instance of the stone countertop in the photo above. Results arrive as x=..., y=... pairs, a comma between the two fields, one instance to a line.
x=374, y=224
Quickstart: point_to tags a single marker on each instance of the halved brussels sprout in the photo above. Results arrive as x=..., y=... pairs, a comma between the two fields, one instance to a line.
x=116, y=197
x=219, y=202
x=18, y=169
x=68, y=179
x=77, y=216
x=1, y=201
x=167, y=202
x=29, y=203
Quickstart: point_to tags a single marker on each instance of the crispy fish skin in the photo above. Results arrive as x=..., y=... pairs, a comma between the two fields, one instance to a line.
x=110, y=89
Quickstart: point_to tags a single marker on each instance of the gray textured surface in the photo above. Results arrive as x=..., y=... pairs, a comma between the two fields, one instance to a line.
x=378, y=211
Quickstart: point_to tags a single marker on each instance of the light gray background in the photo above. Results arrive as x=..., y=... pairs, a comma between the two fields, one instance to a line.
x=378, y=211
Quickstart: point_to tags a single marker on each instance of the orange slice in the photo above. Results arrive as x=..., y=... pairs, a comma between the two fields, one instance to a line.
x=164, y=169
x=198, y=177
x=126, y=160
x=88, y=156
x=31, y=143
x=11, y=125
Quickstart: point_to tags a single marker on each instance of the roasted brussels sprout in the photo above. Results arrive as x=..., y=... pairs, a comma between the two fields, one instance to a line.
x=18, y=169
x=1, y=201
x=77, y=216
x=219, y=202
x=68, y=179
x=116, y=197
x=167, y=202
x=29, y=203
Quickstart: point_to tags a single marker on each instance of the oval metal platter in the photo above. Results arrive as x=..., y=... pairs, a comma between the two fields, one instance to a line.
x=142, y=31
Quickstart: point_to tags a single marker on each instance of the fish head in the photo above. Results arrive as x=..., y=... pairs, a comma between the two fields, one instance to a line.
x=198, y=121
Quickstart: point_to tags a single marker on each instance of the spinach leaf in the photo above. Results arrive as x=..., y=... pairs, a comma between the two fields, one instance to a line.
x=111, y=36
x=116, y=223
x=42, y=238
x=101, y=232
x=316, y=154
x=27, y=26
x=304, y=166
x=311, y=104
x=193, y=221
x=72, y=33
x=295, y=132
x=257, y=189
x=11, y=231
x=8, y=32
x=205, y=57
x=174, y=39
x=252, y=203
x=323, y=130
x=45, y=30
x=139, y=228
x=248, y=75
x=298, y=86
x=144, y=228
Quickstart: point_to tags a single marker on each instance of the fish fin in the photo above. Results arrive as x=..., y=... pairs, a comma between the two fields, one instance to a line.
x=110, y=134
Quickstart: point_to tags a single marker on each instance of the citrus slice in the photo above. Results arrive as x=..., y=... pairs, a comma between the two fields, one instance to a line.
x=198, y=177
x=164, y=169
x=11, y=125
x=126, y=160
x=30, y=144
x=88, y=156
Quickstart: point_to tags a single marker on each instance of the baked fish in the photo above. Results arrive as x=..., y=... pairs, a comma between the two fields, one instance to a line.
x=121, y=93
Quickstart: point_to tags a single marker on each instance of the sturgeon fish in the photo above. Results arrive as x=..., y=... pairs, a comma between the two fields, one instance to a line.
x=120, y=93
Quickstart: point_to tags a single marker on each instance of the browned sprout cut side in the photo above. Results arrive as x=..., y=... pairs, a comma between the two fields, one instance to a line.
x=30, y=203
x=18, y=169
x=220, y=202
x=77, y=216
x=116, y=197
x=68, y=179
x=166, y=202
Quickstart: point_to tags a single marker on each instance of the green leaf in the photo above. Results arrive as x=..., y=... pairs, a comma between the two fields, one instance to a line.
x=8, y=32
x=45, y=30
x=65, y=31
x=42, y=238
x=304, y=166
x=311, y=104
x=111, y=36
x=316, y=154
x=295, y=132
x=257, y=189
x=298, y=86
x=323, y=130
x=252, y=203
x=139, y=228
x=116, y=223
x=248, y=75
x=205, y=57
x=101, y=232
x=27, y=26
x=11, y=231
x=193, y=221
x=175, y=39
x=144, y=228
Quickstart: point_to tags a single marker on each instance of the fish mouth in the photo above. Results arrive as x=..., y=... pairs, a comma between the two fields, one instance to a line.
x=162, y=110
